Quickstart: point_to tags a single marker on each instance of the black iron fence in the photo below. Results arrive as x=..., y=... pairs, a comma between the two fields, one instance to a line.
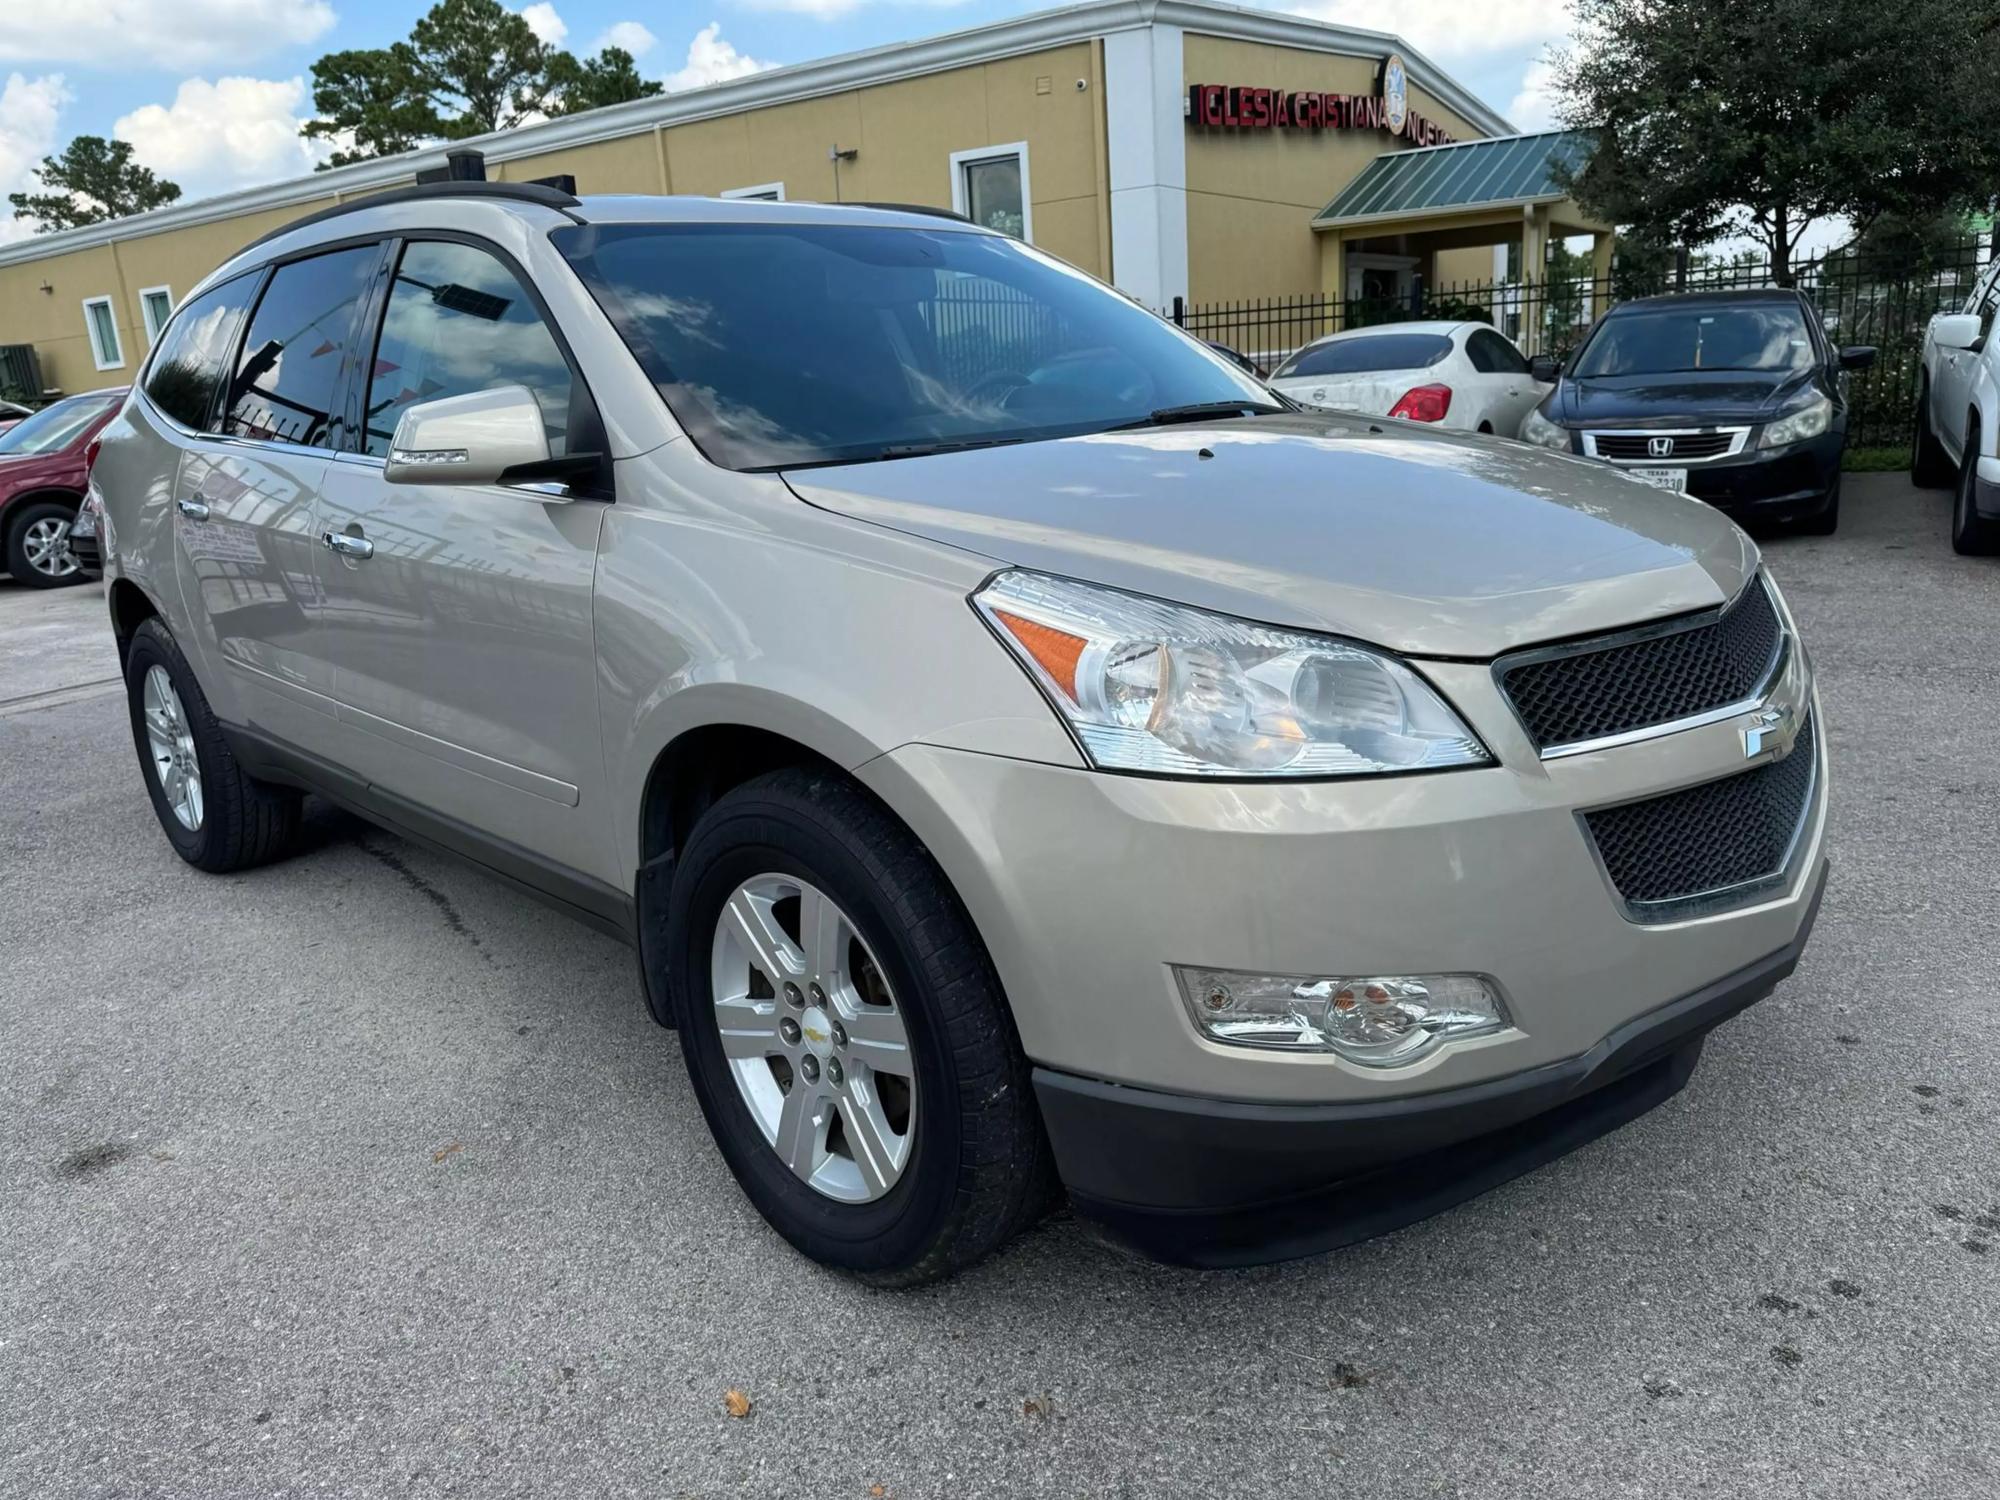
x=1860, y=301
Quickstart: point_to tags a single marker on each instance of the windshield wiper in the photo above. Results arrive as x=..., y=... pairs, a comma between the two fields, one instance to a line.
x=1197, y=411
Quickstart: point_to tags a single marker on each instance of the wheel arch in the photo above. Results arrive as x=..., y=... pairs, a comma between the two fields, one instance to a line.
x=47, y=492
x=131, y=606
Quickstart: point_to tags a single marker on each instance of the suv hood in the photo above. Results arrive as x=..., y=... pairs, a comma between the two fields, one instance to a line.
x=1424, y=542
x=1686, y=398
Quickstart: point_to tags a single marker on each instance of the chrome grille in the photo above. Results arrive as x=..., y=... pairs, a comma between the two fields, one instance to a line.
x=1596, y=689
x=1637, y=447
x=1707, y=840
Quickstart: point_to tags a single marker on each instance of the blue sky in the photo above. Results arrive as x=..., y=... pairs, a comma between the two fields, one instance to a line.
x=211, y=92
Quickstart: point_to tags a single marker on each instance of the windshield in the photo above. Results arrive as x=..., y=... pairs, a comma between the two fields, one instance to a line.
x=57, y=426
x=1770, y=336
x=781, y=344
x=1374, y=351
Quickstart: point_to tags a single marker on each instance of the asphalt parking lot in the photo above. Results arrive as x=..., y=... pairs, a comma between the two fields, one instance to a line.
x=360, y=1175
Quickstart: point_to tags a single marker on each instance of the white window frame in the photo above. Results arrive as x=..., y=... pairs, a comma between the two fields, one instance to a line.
x=978, y=155
x=146, y=311
x=770, y=192
x=90, y=333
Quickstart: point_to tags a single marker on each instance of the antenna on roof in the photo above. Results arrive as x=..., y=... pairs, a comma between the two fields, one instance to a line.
x=461, y=165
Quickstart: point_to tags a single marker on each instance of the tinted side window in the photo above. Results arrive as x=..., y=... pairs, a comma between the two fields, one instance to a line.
x=289, y=375
x=194, y=352
x=1493, y=355
x=457, y=322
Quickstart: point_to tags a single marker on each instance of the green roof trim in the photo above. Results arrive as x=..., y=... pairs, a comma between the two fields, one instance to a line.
x=1507, y=169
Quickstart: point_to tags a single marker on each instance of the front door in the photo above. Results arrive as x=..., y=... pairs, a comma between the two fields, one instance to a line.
x=246, y=504
x=458, y=617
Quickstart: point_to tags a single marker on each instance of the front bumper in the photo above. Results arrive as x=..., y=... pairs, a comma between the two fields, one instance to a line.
x=1218, y=1183
x=1760, y=484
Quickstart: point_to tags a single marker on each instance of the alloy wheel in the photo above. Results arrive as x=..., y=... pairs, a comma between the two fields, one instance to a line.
x=170, y=742
x=814, y=1038
x=46, y=545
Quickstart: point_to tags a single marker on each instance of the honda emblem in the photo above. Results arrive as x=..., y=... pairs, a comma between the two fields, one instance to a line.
x=1661, y=447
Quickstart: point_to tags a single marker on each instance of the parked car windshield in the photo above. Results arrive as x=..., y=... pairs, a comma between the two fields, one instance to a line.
x=781, y=344
x=55, y=427
x=1667, y=341
x=1366, y=352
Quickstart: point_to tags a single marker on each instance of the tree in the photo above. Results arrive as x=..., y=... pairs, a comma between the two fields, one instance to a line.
x=93, y=180
x=611, y=77
x=469, y=67
x=1717, y=117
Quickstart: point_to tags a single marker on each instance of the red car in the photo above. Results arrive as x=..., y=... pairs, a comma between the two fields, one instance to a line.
x=44, y=466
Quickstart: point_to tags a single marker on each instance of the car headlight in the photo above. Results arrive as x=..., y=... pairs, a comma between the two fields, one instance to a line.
x=1807, y=421
x=85, y=524
x=1156, y=687
x=1538, y=429
x=1387, y=1021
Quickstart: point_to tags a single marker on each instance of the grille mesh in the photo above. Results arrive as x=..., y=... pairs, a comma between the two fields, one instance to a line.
x=1686, y=445
x=1589, y=692
x=1705, y=838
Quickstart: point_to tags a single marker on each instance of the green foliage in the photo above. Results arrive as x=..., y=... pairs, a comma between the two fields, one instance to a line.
x=469, y=67
x=93, y=180
x=1886, y=460
x=1717, y=118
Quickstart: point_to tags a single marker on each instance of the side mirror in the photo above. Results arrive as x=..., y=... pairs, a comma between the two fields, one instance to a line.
x=1956, y=330
x=1545, y=368
x=1857, y=356
x=483, y=437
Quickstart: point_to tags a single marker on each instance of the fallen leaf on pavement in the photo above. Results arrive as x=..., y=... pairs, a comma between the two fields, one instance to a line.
x=452, y=1150
x=736, y=1403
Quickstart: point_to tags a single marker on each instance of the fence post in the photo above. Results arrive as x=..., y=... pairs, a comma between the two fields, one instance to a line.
x=1180, y=311
x=1680, y=268
x=1416, y=294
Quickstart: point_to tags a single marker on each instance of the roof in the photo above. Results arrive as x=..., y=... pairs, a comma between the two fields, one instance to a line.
x=1441, y=326
x=1033, y=32
x=1715, y=296
x=1503, y=172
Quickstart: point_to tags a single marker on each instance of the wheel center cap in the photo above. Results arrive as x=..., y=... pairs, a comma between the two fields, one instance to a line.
x=816, y=1026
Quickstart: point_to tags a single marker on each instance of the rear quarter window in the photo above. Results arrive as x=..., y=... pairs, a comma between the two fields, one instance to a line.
x=1375, y=351
x=187, y=369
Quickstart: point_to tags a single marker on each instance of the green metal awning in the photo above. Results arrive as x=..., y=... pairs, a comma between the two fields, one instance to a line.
x=1502, y=172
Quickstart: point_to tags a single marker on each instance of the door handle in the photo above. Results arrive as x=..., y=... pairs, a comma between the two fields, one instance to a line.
x=347, y=546
x=194, y=510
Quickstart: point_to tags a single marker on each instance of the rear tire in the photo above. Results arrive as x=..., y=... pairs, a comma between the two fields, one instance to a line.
x=1972, y=535
x=976, y=1168
x=37, y=549
x=216, y=815
x=1930, y=465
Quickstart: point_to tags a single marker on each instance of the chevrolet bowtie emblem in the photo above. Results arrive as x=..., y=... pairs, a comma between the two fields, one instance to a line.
x=1758, y=733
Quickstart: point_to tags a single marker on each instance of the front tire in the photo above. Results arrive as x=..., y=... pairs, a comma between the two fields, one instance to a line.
x=1930, y=465
x=37, y=547
x=870, y=1095
x=217, y=816
x=1972, y=535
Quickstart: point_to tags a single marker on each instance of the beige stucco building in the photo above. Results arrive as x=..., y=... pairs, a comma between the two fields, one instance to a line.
x=1179, y=148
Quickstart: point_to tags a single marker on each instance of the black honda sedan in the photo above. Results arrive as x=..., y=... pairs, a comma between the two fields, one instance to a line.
x=1732, y=397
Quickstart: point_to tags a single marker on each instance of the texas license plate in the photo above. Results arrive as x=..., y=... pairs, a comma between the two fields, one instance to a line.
x=1663, y=479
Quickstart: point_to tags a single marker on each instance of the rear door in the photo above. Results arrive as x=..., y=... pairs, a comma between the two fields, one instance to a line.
x=1951, y=389
x=248, y=493
x=462, y=646
x=1510, y=391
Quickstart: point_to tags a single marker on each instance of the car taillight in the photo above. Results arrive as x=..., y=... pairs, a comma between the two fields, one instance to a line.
x=1426, y=403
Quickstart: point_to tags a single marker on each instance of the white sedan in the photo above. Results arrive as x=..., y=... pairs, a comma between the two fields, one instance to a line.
x=1461, y=375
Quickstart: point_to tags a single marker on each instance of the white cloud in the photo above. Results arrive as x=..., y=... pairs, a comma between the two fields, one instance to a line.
x=1450, y=28
x=29, y=108
x=163, y=34
x=629, y=35
x=548, y=27
x=1534, y=104
x=231, y=133
x=710, y=59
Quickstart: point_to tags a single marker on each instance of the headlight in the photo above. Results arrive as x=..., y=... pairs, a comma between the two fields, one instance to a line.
x=85, y=524
x=1796, y=426
x=1538, y=429
x=1157, y=687
x=1381, y=1022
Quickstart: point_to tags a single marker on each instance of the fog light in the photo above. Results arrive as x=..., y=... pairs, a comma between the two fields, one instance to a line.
x=1379, y=1021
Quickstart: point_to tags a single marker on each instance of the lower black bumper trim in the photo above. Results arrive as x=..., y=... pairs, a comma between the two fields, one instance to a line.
x=1210, y=1182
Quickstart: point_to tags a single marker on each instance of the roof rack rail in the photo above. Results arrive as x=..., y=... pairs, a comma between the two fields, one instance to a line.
x=912, y=208
x=512, y=192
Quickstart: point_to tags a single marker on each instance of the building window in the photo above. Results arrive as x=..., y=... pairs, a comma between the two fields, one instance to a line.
x=763, y=192
x=157, y=303
x=103, y=329
x=990, y=187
